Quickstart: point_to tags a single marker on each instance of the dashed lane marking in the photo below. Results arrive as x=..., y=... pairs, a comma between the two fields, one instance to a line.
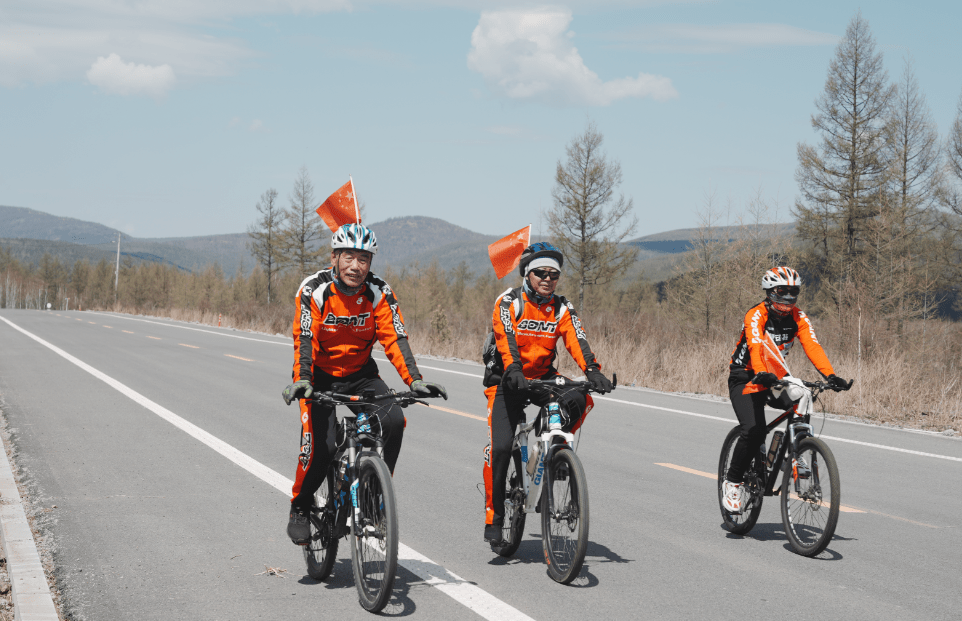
x=602, y=398
x=108, y=327
x=186, y=345
x=714, y=477
x=238, y=357
x=127, y=331
x=156, y=338
x=462, y=591
x=450, y=411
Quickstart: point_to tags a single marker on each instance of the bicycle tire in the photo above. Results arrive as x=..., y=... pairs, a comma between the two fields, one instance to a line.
x=374, y=539
x=809, y=524
x=740, y=523
x=564, y=526
x=321, y=553
x=514, y=515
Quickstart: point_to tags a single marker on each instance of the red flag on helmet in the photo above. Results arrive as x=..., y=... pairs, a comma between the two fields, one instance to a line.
x=505, y=253
x=340, y=208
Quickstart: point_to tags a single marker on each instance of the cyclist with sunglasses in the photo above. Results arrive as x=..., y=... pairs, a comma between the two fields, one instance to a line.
x=527, y=323
x=755, y=367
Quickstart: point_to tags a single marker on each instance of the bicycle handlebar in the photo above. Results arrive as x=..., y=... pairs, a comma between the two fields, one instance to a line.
x=554, y=383
x=818, y=385
x=403, y=399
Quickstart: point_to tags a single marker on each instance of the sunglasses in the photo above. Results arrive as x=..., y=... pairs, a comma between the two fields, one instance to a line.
x=546, y=274
x=784, y=290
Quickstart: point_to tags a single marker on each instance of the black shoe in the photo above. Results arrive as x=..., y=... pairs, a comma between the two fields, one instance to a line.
x=299, y=526
x=493, y=533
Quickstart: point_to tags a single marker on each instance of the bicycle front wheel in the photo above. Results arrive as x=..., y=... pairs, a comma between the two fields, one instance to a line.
x=811, y=491
x=374, y=538
x=321, y=552
x=740, y=523
x=514, y=515
x=564, y=519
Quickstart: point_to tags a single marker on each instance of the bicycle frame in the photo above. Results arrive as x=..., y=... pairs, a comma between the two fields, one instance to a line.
x=798, y=427
x=534, y=483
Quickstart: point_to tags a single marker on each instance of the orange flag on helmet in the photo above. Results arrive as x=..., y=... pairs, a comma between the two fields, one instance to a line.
x=505, y=253
x=340, y=208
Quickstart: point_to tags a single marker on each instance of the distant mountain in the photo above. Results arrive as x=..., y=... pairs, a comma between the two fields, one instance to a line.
x=20, y=222
x=402, y=242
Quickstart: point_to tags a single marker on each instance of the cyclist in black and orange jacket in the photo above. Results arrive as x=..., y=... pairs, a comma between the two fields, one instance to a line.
x=767, y=336
x=341, y=311
x=527, y=323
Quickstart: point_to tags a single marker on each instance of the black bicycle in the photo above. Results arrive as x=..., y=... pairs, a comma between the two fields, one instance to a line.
x=357, y=499
x=548, y=478
x=810, y=489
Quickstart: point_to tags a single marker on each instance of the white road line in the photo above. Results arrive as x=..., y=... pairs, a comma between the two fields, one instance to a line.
x=731, y=422
x=642, y=405
x=161, y=323
x=463, y=592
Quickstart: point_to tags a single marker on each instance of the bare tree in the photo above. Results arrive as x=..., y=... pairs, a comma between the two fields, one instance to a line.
x=301, y=238
x=265, y=243
x=841, y=178
x=914, y=152
x=587, y=222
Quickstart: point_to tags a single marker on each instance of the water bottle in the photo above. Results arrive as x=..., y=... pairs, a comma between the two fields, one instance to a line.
x=533, y=456
x=554, y=416
x=776, y=443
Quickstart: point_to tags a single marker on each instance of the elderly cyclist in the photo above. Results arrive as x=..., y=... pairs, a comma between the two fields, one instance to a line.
x=341, y=311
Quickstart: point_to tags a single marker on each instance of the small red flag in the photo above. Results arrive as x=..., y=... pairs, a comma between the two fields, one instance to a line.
x=340, y=208
x=505, y=253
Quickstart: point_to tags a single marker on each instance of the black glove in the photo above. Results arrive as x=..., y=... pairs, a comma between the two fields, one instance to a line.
x=429, y=389
x=765, y=379
x=599, y=383
x=837, y=383
x=514, y=379
x=300, y=389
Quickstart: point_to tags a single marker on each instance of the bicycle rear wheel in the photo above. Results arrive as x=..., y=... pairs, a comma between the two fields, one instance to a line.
x=514, y=515
x=321, y=552
x=752, y=486
x=374, y=538
x=564, y=522
x=811, y=491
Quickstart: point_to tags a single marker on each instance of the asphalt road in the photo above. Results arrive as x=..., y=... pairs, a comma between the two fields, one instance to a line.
x=165, y=447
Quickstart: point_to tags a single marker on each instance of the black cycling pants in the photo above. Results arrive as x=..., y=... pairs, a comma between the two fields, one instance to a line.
x=507, y=410
x=318, y=431
x=750, y=410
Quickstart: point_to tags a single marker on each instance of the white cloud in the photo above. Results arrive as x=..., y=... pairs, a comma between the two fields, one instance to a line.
x=256, y=125
x=528, y=54
x=116, y=77
x=722, y=38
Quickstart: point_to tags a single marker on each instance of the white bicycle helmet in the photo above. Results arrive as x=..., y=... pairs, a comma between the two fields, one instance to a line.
x=354, y=237
x=779, y=276
x=782, y=285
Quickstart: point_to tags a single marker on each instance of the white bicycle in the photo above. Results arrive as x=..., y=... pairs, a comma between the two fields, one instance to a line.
x=547, y=477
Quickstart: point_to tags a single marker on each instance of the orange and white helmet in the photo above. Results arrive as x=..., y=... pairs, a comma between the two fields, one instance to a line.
x=782, y=285
x=781, y=276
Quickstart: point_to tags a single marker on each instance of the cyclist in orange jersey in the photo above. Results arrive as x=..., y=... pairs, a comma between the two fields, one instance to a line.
x=767, y=336
x=341, y=311
x=527, y=323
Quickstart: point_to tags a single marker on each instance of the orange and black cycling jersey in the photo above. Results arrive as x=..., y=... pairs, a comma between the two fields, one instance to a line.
x=750, y=356
x=335, y=332
x=528, y=332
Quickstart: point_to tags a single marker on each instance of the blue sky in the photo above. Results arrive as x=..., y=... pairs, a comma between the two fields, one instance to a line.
x=170, y=118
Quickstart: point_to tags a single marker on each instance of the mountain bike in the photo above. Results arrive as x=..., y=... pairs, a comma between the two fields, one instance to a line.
x=357, y=499
x=549, y=479
x=810, y=489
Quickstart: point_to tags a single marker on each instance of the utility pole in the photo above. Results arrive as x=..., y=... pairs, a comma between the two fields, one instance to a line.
x=117, y=269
